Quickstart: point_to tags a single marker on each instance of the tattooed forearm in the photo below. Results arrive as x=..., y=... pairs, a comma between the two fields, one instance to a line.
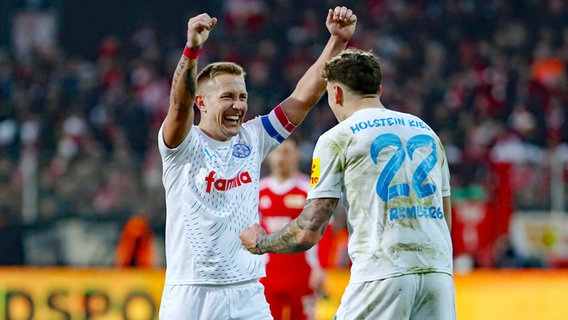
x=189, y=80
x=301, y=233
x=316, y=214
x=183, y=83
x=283, y=241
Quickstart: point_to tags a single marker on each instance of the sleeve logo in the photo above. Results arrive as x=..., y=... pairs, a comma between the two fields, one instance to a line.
x=315, y=175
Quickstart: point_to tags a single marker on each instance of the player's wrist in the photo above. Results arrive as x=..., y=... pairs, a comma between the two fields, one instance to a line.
x=258, y=248
x=192, y=52
x=338, y=40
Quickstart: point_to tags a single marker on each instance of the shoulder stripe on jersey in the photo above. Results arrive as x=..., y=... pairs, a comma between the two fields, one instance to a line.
x=277, y=124
x=284, y=119
x=270, y=129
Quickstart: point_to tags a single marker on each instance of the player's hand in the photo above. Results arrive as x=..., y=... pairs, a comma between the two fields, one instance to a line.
x=341, y=22
x=249, y=237
x=198, y=29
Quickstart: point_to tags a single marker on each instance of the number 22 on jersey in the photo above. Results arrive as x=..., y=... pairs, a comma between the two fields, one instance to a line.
x=384, y=189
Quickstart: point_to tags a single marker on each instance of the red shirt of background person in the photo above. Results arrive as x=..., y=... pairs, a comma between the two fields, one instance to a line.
x=292, y=280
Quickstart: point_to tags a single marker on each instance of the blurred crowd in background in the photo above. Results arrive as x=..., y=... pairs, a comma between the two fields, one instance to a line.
x=78, y=131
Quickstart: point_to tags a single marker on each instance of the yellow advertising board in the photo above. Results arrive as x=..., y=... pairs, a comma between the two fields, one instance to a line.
x=113, y=294
x=58, y=293
x=487, y=294
x=512, y=294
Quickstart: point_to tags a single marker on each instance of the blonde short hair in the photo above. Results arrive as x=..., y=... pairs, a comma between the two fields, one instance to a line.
x=218, y=68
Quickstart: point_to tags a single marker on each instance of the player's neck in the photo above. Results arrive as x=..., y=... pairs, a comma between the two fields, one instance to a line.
x=363, y=102
x=282, y=177
x=367, y=101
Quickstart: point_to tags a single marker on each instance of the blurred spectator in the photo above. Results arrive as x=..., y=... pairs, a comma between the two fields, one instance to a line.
x=244, y=17
x=507, y=257
x=136, y=247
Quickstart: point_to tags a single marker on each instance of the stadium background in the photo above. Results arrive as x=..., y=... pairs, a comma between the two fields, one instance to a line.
x=84, y=86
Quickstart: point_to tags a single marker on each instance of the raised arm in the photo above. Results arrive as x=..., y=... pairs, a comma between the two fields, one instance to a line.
x=340, y=23
x=180, y=115
x=298, y=235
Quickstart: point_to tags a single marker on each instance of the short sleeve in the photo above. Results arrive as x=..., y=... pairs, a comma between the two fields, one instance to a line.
x=328, y=161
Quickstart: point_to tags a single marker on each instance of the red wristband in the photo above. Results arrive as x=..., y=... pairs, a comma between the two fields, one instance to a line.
x=191, y=53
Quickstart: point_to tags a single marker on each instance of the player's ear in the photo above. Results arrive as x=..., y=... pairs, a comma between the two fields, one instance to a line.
x=380, y=90
x=338, y=95
x=199, y=102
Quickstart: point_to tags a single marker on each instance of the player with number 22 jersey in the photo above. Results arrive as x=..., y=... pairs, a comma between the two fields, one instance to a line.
x=384, y=147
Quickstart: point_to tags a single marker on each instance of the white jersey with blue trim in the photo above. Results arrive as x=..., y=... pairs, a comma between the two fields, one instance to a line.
x=391, y=171
x=211, y=190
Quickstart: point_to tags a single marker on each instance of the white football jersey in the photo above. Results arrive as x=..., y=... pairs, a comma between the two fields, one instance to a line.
x=390, y=169
x=211, y=192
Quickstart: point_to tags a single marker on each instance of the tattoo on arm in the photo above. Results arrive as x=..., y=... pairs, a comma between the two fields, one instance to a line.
x=189, y=80
x=301, y=233
x=186, y=73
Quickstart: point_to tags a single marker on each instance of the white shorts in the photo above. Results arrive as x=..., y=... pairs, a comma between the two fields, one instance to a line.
x=241, y=301
x=415, y=296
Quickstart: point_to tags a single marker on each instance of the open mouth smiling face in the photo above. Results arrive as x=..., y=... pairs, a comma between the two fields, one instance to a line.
x=230, y=125
x=233, y=120
x=226, y=107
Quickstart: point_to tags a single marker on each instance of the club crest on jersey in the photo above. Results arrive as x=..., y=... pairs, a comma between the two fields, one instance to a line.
x=241, y=150
x=226, y=184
